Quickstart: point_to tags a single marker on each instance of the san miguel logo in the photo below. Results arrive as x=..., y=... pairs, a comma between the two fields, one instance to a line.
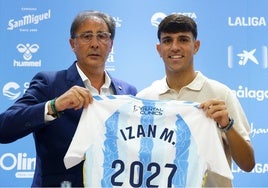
x=28, y=20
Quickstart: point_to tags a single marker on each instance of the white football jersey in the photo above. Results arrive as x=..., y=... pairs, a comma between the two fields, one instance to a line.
x=132, y=142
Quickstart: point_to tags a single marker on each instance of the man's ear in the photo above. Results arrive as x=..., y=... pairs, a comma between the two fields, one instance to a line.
x=71, y=41
x=158, y=48
x=196, y=46
x=111, y=47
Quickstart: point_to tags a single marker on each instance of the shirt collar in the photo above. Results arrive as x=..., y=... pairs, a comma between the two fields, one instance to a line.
x=86, y=81
x=196, y=84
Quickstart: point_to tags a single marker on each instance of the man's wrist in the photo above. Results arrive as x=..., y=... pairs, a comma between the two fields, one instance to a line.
x=227, y=127
x=52, y=109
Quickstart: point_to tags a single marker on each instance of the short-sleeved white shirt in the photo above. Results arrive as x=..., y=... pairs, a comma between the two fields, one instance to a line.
x=200, y=90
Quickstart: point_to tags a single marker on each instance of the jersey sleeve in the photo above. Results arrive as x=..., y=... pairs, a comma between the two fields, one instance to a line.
x=91, y=120
x=204, y=131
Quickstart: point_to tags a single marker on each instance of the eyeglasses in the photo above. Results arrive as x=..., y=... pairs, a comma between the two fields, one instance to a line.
x=102, y=37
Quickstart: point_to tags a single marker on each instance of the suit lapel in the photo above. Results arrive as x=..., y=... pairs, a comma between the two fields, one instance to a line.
x=73, y=77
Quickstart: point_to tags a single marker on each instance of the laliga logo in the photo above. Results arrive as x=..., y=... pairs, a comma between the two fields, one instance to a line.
x=27, y=50
x=246, y=57
x=10, y=90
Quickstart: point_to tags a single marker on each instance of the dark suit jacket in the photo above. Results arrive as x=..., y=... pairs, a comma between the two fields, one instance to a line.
x=51, y=139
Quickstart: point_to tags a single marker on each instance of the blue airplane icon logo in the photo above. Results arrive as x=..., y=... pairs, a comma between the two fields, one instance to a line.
x=246, y=56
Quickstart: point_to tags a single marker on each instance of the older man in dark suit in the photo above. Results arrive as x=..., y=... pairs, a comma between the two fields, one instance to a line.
x=52, y=105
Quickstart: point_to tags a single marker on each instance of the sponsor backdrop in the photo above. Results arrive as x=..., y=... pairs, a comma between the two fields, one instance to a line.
x=234, y=50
